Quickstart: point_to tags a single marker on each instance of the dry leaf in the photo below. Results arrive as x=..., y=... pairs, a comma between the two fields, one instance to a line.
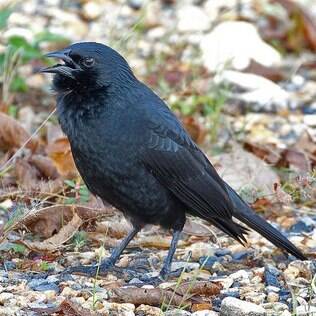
x=59, y=151
x=243, y=170
x=205, y=288
x=29, y=178
x=27, y=175
x=195, y=129
x=114, y=228
x=266, y=152
x=45, y=166
x=272, y=73
x=13, y=135
x=49, y=220
x=192, y=227
x=305, y=21
x=152, y=297
x=54, y=243
x=201, y=307
x=296, y=160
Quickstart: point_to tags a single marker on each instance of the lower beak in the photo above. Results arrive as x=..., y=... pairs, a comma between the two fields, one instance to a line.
x=68, y=69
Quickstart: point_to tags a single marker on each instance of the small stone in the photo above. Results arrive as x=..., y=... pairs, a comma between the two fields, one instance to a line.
x=68, y=291
x=208, y=262
x=241, y=255
x=183, y=264
x=135, y=281
x=240, y=275
x=9, y=265
x=125, y=309
x=50, y=294
x=233, y=306
x=271, y=275
x=255, y=297
x=306, y=310
x=275, y=307
x=5, y=297
x=219, y=48
x=146, y=310
x=191, y=19
x=286, y=313
x=310, y=120
x=91, y=10
x=205, y=313
x=272, y=297
x=177, y=312
x=222, y=252
x=302, y=226
x=271, y=288
x=135, y=4
x=200, y=249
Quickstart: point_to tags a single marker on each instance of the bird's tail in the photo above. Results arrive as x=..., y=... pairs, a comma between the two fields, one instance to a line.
x=245, y=214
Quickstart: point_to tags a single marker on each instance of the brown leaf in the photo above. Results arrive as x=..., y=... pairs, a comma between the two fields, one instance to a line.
x=195, y=129
x=113, y=228
x=45, y=166
x=192, y=227
x=54, y=243
x=153, y=297
x=244, y=171
x=266, y=152
x=49, y=220
x=13, y=135
x=271, y=73
x=201, y=307
x=205, y=288
x=59, y=151
x=304, y=21
x=297, y=160
x=27, y=175
x=29, y=178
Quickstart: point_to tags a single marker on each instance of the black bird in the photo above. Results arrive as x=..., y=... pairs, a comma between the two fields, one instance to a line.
x=133, y=153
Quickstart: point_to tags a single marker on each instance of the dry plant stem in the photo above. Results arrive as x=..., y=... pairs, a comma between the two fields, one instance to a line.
x=8, y=163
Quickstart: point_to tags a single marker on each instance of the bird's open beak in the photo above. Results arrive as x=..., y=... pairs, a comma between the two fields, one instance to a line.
x=68, y=69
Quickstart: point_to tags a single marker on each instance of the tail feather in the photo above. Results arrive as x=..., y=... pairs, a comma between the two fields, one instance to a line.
x=231, y=228
x=245, y=214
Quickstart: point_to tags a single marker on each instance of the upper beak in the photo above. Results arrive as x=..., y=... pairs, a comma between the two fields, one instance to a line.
x=68, y=69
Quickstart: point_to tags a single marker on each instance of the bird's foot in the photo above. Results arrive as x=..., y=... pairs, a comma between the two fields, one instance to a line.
x=92, y=270
x=163, y=276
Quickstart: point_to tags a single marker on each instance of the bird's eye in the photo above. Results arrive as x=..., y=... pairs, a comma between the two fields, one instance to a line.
x=88, y=61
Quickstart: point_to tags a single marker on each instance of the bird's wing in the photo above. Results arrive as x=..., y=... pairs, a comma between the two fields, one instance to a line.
x=172, y=156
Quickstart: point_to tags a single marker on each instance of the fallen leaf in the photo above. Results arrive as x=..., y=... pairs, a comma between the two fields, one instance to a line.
x=54, y=243
x=246, y=173
x=152, y=297
x=272, y=73
x=201, y=307
x=195, y=129
x=29, y=178
x=60, y=153
x=205, y=288
x=296, y=160
x=45, y=166
x=13, y=135
x=304, y=23
x=192, y=227
x=46, y=221
x=266, y=152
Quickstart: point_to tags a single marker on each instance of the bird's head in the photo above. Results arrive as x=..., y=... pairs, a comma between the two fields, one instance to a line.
x=88, y=66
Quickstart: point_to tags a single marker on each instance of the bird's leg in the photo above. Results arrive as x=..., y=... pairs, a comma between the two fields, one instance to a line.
x=165, y=271
x=107, y=263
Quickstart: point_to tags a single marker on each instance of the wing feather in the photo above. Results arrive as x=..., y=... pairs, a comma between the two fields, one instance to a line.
x=179, y=165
